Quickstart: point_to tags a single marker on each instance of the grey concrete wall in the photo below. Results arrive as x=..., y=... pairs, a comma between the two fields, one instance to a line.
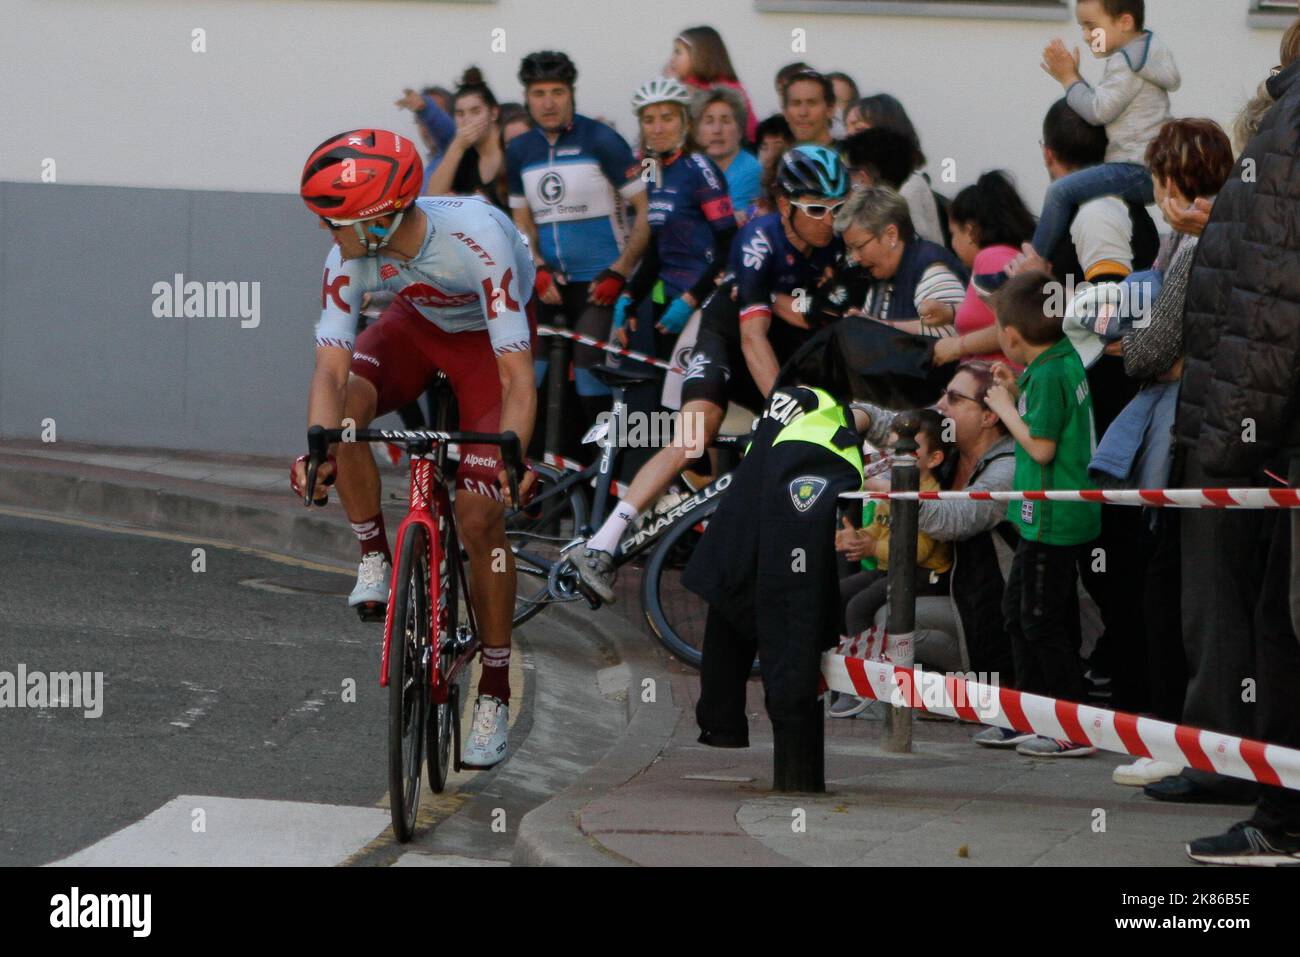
x=79, y=342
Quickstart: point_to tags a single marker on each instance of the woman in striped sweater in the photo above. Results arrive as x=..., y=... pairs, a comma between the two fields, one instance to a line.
x=911, y=283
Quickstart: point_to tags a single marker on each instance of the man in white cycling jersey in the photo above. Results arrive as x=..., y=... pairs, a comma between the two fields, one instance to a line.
x=463, y=278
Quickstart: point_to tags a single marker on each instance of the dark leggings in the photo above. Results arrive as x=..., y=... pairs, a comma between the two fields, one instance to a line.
x=576, y=313
x=861, y=596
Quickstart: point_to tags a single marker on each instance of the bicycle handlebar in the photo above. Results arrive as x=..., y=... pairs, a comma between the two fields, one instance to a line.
x=319, y=439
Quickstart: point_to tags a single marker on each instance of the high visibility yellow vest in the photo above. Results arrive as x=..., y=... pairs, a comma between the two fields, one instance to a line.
x=826, y=427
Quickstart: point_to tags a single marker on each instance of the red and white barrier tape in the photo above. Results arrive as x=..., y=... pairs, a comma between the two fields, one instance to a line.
x=1083, y=724
x=1169, y=497
x=560, y=462
x=609, y=347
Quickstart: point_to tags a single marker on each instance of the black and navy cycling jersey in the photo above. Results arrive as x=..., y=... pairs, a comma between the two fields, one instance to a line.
x=576, y=189
x=689, y=208
x=763, y=263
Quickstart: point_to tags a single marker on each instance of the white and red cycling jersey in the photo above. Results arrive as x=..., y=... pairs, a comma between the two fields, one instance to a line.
x=474, y=272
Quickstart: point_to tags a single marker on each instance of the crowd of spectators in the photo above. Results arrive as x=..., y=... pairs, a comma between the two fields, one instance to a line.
x=1083, y=350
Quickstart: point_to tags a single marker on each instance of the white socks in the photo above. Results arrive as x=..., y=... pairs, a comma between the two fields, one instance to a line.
x=607, y=539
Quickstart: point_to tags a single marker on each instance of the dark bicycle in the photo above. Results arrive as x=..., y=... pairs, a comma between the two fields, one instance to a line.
x=430, y=634
x=560, y=518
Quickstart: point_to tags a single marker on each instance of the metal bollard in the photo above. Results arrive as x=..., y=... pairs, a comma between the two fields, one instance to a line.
x=557, y=377
x=901, y=623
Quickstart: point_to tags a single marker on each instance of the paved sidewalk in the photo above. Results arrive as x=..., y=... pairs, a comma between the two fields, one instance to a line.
x=949, y=803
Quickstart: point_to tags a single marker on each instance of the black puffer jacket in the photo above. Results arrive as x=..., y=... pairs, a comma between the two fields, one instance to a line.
x=1242, y=319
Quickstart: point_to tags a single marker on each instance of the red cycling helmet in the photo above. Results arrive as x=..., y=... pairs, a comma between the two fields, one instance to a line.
x=362, y=174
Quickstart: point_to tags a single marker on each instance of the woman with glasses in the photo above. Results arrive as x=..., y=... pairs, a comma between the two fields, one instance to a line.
x=970, y=615
x=914, y=285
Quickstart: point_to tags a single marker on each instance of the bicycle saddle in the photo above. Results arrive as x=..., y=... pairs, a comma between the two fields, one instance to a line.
x=623, y=375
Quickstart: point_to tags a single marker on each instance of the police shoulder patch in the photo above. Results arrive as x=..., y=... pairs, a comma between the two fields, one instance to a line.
x=805, y=490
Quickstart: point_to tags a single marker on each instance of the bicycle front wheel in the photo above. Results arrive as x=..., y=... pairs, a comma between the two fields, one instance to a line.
x=408, y=681
x=676, y=615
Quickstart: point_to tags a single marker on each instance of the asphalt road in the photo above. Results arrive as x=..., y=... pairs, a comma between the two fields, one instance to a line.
x=228, y=681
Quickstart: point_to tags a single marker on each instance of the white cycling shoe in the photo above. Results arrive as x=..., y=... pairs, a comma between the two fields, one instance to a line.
x=486, y=744
x=370, y=596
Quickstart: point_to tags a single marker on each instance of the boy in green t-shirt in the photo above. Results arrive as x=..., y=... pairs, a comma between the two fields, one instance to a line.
x=1049, y=413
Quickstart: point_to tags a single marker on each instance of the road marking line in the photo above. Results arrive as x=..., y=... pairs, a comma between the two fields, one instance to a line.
x=237, y=832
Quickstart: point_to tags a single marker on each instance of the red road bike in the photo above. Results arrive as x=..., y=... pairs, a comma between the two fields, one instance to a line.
x=429, y=612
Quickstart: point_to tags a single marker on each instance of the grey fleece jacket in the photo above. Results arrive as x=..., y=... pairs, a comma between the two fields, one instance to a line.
x=953, y=520
x=1132, y=98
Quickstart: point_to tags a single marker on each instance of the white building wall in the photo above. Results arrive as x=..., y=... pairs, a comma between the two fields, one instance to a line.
x=112, y=92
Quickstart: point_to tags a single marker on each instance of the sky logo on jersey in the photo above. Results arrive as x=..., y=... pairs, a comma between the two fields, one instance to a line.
x=756, y=250
x=805, y=490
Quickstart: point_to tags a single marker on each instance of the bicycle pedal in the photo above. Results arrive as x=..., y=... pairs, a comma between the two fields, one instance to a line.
x=372, y=612
x=593, y=600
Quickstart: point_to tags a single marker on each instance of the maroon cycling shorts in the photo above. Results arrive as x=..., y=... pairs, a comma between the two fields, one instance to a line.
x=402, y=352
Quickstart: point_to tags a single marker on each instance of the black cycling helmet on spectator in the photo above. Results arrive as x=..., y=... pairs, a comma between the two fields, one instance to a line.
x=547, y=66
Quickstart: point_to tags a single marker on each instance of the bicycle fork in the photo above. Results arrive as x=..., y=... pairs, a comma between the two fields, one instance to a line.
x=425, y=478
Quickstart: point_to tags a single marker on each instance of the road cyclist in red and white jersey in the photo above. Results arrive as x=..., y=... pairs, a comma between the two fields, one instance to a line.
x=463, y=277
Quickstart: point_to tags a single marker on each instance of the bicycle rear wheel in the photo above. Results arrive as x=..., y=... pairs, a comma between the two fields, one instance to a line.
x=538, y=532
x=408, y=681
x=676, y=615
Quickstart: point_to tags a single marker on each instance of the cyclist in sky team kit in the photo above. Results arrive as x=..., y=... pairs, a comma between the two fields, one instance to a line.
x=463, y=278
x=748, y=328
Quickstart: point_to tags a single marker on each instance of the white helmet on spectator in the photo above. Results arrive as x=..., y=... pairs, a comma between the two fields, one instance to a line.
x=662, y=89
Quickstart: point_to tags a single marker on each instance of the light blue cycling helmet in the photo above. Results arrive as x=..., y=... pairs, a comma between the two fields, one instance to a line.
x=812, y=171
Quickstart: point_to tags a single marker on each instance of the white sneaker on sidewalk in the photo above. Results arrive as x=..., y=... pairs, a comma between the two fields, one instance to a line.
x=485, y=745
x=1144, y=771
